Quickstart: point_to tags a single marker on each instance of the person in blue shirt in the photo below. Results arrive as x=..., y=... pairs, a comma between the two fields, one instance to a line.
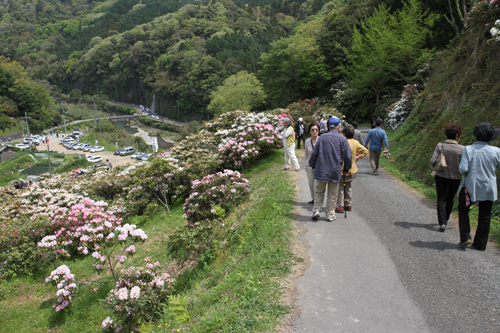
x=479, y=163
x=376, y=137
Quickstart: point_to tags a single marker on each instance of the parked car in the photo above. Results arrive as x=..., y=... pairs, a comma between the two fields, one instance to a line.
x=96, y=149
x=22, y=146
x=94, y=159
x=77, y=146
x=88, y=147
x=137, y=155
x=118, y=151
x=100, y=165
x=145, y=157
x=127, y=151
x=71, y=144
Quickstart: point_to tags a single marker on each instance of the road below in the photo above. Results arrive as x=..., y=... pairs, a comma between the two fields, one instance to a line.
x=387, y=268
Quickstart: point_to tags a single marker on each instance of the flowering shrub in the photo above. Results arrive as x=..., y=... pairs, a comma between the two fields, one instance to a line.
x=482, y=14
x=495, y=31
x=248, y=144
x=399, y=111
x=306, y=108
x=223, y=189
x=137, y=296
x=62, y=278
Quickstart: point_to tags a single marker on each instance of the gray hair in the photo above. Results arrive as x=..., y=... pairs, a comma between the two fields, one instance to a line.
x=287, y=121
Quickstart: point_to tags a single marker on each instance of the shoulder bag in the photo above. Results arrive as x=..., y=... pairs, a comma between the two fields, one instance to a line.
x=440, y=162
x=386, y=152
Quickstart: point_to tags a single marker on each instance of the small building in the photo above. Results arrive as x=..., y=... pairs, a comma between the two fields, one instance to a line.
x=7, y=153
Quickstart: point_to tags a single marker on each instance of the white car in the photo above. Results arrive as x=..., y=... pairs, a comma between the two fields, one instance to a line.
x=22, y=146
x=137, y=155
x=96, y=149
x=144, y=157
x=94, y=159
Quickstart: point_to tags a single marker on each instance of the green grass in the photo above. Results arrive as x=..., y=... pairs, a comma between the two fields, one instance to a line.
x=233, y=288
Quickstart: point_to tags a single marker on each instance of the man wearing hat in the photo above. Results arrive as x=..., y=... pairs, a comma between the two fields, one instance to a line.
x=478, y=165
x=300, y=132
x=330, y=151
x=321, y=124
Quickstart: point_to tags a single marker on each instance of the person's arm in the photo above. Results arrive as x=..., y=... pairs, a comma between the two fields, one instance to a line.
x=464, y=163
x=368, y=138
x=361, y=139
x=385, y=140
x=498, y=159
x=361, y=151
x=347, y=156
x=306, y=150
x=314, y=155
x=435, y=156
x=287, y=132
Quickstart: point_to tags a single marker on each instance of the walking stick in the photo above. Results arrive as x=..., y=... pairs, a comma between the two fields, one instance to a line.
x=345, y=201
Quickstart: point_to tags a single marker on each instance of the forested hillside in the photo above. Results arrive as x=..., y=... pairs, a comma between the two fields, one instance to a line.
x=175, y=57
x=463, y=88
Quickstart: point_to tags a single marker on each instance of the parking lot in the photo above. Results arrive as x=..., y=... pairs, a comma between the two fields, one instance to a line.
x=114, y=159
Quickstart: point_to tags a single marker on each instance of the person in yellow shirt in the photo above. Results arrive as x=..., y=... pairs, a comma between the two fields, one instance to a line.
x=289, y=145
x=358, y=151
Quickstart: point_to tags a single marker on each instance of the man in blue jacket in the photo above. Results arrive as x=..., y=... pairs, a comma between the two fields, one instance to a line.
x=330, y=151
x=376, y=137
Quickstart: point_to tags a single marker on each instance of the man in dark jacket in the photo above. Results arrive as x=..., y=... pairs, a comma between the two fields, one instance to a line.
x=300, y=132
x=330, y=151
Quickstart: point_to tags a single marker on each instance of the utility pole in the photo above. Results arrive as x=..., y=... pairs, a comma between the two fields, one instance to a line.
x=95, y=110
x=97, y=84
x=178, y=107
x=22, y=125
x=95, y=119
x=64, y=118
x=28, y=130
x=48, y=153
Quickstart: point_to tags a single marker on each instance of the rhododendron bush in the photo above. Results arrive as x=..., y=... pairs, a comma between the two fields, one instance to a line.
x=138, y=295
x=401, y=110
x=223, y=189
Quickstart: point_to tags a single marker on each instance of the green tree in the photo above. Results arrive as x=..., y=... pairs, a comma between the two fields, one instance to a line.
x=241, y=91
x=75, y=95
x=389, y=48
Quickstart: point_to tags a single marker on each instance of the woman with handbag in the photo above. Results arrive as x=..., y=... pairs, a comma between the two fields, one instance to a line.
x=478, y=165
x=309, y=147
x=448, y=155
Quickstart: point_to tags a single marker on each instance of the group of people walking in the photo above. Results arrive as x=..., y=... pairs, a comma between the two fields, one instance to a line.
x=330, y=162
x=470, y=171
x=330, y=158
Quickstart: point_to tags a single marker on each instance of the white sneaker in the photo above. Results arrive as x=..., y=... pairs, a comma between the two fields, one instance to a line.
x=332, y=219
x=315, y=215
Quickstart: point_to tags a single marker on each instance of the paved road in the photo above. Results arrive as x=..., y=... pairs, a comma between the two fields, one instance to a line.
x=387, y=268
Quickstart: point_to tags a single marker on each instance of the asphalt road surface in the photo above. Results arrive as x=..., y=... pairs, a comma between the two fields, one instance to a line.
x=387, y=268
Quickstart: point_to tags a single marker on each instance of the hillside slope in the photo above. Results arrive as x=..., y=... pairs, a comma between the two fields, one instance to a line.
x=462, y=89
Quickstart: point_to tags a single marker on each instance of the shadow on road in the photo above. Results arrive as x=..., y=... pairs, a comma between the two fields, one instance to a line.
x=409, y=225
x=441, y=246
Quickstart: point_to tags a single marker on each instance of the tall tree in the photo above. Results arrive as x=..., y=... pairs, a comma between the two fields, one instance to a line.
x=241, y=91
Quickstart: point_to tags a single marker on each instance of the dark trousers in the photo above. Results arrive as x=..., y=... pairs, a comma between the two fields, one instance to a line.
x=483, y=221
x=446, y=189
x=299, y=138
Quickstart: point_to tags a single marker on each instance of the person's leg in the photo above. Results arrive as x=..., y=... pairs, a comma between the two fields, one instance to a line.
x=293, y=158
x=483, y=225
x=287, y=157
x=372, y=160
x=441, y=190
x=331, y=200
x=453, y=185
x=348, y=194
x=377, y=159
x=319, y=195
x=463, y=217
x=340, y=196
x=310, y=181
